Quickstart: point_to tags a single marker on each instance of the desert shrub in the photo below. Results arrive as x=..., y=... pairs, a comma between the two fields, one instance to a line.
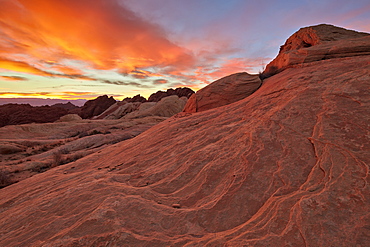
x=5, y=179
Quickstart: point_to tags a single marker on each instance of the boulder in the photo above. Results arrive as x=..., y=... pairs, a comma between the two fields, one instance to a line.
x=224, y=91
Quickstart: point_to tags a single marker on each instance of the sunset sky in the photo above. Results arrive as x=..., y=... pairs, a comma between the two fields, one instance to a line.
x=80, y=49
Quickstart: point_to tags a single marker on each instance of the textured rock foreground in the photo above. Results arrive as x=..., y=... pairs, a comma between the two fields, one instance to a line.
x=286, y=166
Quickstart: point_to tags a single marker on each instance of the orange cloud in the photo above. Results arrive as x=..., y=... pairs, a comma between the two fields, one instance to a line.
x=19, y=66
x=101, y=32
x=13, y=78
x=52, y=95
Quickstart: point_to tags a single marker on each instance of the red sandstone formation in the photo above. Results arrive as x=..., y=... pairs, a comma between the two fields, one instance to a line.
x=224, y=91
x=136, y=98
x=95, y=107
x=317, y=43
x=11, y=114
x=286, y=166
x=180, y=92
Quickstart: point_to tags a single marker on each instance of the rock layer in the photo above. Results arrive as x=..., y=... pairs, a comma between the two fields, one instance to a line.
x=97, y=106
x=222, y=92
x=317, y=43
x=286, y=166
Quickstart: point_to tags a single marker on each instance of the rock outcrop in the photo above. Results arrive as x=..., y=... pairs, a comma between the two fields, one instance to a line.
x=286, y=166
x=67, y=106
x=317, y=43
x=224, y=91
x=95, y=107
x=11, y=114
x=119, y=109
x=136, y=98
x=166, y=107
x=180, y=92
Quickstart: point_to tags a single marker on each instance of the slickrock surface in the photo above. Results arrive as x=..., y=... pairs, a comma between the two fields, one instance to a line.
x=286, y=166
x=317, y=43
x=224, y=91
x=29, y=149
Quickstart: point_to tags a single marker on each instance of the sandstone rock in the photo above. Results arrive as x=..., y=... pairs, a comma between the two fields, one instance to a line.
x=95, y=107
x=11, y=114
x=10, y=148
x=166, y=107
x=69, y=118
x=136, y=98
x=222, y=92
x=286, y=166
x=317, y=43
x=67, y=106
x=180, y=92
x=119, y=110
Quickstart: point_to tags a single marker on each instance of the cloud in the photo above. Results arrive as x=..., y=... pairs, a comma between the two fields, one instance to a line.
x=13, y=78
x=54, y=95
x=160, y=82
x=123, y=83
x=20, y=66
x=103, y=33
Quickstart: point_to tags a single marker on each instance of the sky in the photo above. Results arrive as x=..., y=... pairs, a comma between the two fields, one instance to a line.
x=80, y=49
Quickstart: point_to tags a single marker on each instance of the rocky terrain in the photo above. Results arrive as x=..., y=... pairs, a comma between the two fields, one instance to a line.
x=286, y=166
x=11, y=114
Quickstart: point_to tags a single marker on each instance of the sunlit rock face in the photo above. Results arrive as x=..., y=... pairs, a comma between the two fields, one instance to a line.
x=222, y=92
x=317, y=43
x=286, y=166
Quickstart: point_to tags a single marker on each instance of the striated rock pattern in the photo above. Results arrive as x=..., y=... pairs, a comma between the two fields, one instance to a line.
x=118, y=110
x=11, y=114
x=317, y=43
x=166, y=107
x=95, y=107
x=286, y=166
x=180, y=92
x=222, y=92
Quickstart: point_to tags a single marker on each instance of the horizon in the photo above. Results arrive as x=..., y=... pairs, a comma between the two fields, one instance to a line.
x=72, y=50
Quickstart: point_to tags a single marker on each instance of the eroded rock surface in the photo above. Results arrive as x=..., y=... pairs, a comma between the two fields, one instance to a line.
x=222, y=92
x=286, y=166
x=317, y=43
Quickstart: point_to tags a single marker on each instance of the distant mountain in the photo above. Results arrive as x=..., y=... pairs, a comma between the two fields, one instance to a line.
x=40, y=102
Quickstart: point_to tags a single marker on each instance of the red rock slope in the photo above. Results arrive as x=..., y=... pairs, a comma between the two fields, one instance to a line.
x=287, y=166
